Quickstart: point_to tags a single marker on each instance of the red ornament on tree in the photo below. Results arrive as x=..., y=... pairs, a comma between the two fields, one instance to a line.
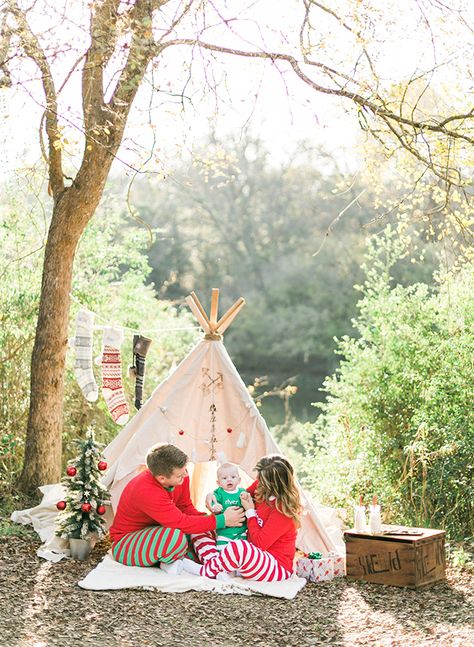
x=181, y=432
x=102, y=465
x=229, y=430
x=71, y=471
x=101, y=509
x=61, y=505
x=86, y=507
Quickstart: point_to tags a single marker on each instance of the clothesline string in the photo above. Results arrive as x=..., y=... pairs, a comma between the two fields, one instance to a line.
x=150, y=330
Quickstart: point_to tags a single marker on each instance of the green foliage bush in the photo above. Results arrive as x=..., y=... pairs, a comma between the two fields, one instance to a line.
x=110, y=278
x=398, y=421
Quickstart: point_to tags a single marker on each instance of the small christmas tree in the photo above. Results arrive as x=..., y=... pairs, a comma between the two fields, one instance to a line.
x=82, y=510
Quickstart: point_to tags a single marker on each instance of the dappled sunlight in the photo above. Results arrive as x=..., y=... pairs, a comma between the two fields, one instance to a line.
x=37, y=605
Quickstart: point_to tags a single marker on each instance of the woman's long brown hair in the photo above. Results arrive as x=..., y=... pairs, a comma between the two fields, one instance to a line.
x=276, y=478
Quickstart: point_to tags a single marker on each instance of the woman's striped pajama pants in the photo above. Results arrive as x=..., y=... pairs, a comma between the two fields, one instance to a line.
x=150, y=546
x=239, y=555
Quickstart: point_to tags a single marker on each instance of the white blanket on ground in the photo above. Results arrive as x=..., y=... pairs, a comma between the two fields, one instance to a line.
x=109, y=574
x=42, y=517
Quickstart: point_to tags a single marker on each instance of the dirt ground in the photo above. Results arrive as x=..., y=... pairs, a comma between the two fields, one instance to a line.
x=41, y=606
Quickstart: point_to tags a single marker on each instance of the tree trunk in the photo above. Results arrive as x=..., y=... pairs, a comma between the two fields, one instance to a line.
x=43, y=440
x=71, y=213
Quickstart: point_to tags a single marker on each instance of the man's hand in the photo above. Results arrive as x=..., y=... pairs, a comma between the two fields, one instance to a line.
x=246, y=501
x=234, y=516
x=212, y=505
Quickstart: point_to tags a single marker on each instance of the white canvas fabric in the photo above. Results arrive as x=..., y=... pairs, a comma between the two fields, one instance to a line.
x=182, y=403
x=110, y=575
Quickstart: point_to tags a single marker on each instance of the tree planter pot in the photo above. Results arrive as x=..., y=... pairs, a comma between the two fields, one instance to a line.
x=80, y=548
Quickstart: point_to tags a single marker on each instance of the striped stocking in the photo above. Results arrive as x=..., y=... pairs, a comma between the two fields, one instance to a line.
x=251, y=562
x=141, y=346
x=83, y=364
x=112, y=388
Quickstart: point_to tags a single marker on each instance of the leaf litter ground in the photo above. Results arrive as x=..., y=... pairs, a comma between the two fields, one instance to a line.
x=42, y=606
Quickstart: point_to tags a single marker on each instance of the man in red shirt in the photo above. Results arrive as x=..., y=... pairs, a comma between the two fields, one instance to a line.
x=155, y=513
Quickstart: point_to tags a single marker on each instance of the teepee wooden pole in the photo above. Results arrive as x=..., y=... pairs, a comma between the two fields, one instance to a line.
x=214, y=308
x=198, y=311
x=201, y=309
x=226, y=319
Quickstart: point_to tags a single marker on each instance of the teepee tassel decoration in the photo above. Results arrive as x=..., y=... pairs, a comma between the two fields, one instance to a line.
x=241, y=441
x=83, y=364
x=221, y=458
x=112, y=388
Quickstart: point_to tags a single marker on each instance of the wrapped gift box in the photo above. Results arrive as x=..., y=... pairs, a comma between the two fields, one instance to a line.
x=304, y=568
x=320, y=569
x=323, y=569
x=339, y=564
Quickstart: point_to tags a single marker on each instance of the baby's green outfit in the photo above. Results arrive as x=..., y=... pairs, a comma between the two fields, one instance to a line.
x=228, y=499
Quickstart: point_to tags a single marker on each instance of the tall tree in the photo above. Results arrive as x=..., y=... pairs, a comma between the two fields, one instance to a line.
x=115, y=41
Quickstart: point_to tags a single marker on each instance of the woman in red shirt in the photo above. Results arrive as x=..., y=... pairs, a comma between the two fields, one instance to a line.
x=273, y=516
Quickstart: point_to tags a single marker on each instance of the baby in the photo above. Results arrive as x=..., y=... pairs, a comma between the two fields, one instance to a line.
x=226, y=495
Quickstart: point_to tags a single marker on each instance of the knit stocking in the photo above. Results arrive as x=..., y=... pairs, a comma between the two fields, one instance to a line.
x=112, y=388
x=141, y=346
x=83, y=365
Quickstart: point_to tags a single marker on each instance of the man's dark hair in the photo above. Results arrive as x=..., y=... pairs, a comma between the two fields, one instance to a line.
x=162, y=459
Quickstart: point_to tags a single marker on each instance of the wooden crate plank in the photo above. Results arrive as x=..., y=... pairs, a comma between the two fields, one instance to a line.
x=430, y=562
x=396, y=560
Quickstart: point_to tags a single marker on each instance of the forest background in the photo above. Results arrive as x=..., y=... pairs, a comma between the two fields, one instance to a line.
x=359, y=287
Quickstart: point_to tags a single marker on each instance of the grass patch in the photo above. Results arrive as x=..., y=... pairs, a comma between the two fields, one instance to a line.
x=9, y=503
x=10, y=529
x=461, y=556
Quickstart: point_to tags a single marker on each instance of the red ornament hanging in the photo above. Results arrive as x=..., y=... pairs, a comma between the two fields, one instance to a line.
x=102, y=465
x=181, y=432
x=61, y=505
x=86, y=507
x=229, y=430
x=101, y=509
x=71, y=471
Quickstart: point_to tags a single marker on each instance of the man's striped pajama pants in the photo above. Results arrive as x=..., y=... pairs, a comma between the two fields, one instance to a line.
x=150, y=546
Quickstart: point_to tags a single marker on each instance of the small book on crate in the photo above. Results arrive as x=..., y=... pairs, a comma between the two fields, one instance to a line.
x=408, y=532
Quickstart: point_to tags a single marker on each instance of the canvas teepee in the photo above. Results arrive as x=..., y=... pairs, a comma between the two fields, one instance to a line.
x=205, y=409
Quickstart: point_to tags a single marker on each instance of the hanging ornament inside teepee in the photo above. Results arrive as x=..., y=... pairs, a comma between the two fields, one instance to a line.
x=241, y=441
x=229, y=430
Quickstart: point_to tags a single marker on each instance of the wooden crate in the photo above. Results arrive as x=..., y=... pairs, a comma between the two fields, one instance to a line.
x=396, y=560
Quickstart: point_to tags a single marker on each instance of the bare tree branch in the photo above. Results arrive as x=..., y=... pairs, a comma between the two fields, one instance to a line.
x=141, y=52
x=103, y=31
x=33, y=50
x=377, y=111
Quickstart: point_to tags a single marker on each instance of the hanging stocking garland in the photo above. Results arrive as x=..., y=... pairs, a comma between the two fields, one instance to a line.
x=141, y=346
x=112, y=388
x=83, y=364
